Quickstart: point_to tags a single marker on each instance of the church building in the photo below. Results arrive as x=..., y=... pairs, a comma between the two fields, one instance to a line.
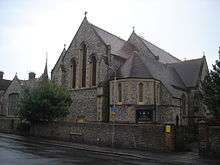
x=128, y=81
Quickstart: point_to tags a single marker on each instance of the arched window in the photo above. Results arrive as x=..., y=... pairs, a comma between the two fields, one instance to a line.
x=84, y=53
x=141, y=92
x=13, y=104
x=119, y=93
x=184, y=104
x=73, y=64
x=93, y=61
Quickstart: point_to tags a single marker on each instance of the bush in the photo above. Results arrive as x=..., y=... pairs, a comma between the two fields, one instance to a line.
x=211, y=88
x=45, y=102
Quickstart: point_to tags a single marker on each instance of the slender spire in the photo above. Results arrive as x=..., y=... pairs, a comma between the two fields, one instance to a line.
x=45, y=69
x=219, y=52
x=65, y=46
x=203, y=53
x=16, y=76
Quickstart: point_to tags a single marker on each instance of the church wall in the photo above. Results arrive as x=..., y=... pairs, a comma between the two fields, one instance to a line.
x=57, y=74
x=94, y=46
x=130, y=98
x=130, y=91
x=1, y=102
x=84, y=99
x=15, y=87
x=167, y=107
x=83, y=108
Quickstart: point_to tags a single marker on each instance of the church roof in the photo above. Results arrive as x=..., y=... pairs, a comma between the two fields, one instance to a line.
x=115, y=42
x=142, y=66
x=189, y=71
x=164, y=56
x=4, y=84
x=139, y=58
x=134, y=67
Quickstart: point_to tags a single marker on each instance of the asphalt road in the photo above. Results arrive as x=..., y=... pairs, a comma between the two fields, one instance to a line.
x=23, y=152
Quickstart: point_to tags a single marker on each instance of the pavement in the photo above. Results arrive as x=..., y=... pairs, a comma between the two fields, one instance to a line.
x=172, y=158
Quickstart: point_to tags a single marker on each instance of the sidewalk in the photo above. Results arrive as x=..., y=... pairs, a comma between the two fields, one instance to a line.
x=183, y=158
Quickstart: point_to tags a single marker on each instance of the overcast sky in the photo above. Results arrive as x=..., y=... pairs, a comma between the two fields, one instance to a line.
x=30, y=28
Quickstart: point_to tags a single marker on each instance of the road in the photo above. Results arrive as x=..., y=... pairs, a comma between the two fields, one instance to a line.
x=22, y=151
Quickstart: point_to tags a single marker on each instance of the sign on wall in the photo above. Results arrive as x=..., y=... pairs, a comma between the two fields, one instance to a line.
x=144, y=115
x=167, y=128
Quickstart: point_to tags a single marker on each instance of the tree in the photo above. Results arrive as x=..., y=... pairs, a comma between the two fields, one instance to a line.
x=211, y=88
x=44, y=102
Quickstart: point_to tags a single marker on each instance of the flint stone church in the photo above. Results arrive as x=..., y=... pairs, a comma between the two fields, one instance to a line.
x=133, y=81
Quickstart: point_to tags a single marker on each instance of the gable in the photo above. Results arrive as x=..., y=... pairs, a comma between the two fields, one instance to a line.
x=4, y=84
x=189, y=71
x=14, y=87
x=86, y=34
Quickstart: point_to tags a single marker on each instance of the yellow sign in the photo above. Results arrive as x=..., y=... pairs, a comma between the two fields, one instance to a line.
x=113, y=114
x=167, y=128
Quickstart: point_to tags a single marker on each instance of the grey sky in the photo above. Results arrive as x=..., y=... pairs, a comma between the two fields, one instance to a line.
x=29, y=28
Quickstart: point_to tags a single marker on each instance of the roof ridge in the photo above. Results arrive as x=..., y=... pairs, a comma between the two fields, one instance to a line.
x=145, y=45
x=107, y=32
x=186, y=61
x=157, y=47
x=174, y=69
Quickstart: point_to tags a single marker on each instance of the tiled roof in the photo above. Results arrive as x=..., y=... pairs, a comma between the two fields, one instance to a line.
x=142, y=66
x=4, y=84
x=134, y=67
x=189, y=71
x=115, y=42
x=164, y=56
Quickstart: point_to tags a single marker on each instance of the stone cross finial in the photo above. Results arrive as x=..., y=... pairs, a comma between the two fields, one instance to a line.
x=203, y=53
x=85, y=13
x=133, y=27
x=64, y=46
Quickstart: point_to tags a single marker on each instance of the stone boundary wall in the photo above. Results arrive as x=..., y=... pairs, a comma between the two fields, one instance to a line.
x=209, y=139
x=8, y=124
x=139, y=136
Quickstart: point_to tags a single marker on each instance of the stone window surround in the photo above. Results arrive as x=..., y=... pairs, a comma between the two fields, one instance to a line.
x=73, y=72
x=134, y=79
x=84, y=63
x=119, y=94
x=92, y=73
x=14, y=93
x=138, y=87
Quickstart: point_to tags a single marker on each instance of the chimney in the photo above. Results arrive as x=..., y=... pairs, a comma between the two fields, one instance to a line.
x=1, y=75
x=31, y=76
